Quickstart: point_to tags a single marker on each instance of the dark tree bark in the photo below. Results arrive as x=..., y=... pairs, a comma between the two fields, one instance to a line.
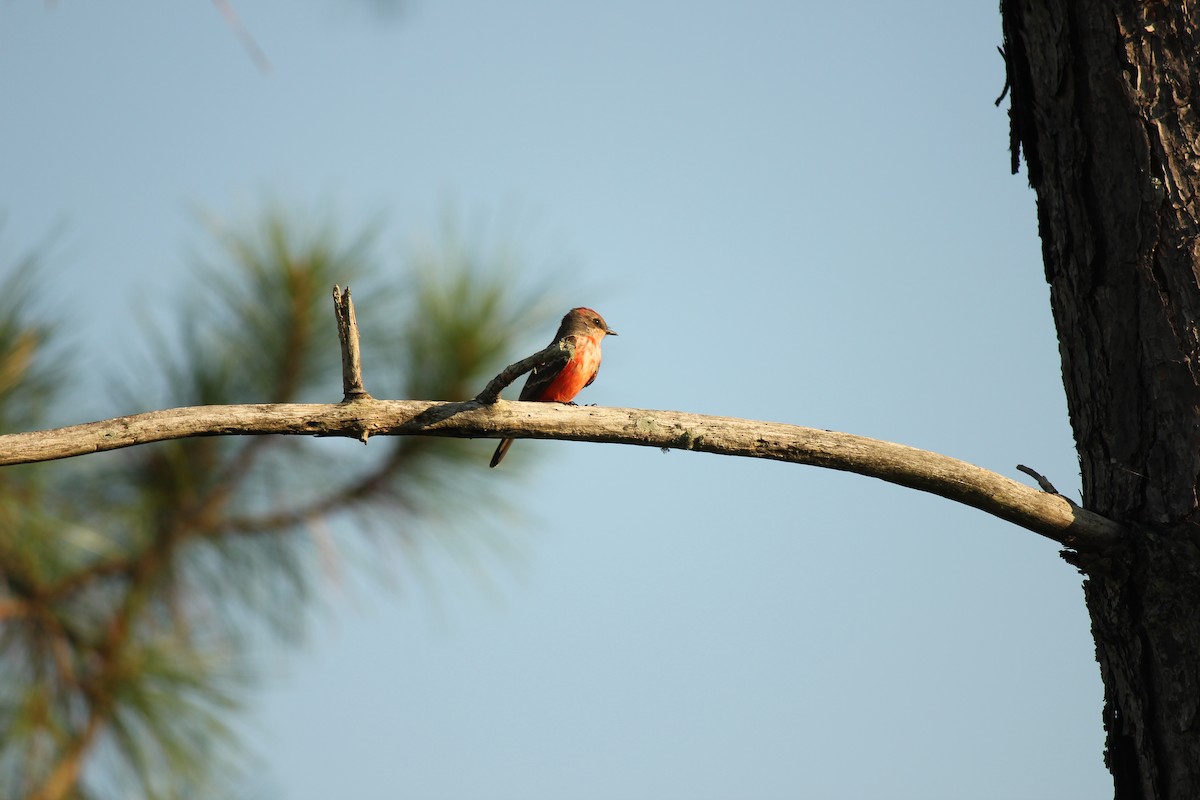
x=1104, y=107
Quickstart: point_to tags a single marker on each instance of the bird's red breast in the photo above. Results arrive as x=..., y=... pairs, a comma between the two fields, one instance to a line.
x=577, y=373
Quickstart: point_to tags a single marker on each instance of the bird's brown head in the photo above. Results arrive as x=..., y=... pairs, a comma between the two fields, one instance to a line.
x=586, y=321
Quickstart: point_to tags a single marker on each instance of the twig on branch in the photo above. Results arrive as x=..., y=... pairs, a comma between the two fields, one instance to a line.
x=1048, y=514
x=1044, y=482
x=352, y=382
x=561, y=350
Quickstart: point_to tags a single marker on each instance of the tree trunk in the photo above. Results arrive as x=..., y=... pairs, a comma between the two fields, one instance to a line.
x=1104, y=106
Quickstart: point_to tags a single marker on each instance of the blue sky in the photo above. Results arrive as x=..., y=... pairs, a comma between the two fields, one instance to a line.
x=791, y=211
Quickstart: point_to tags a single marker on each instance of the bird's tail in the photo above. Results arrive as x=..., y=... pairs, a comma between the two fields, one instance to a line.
x=501, y=449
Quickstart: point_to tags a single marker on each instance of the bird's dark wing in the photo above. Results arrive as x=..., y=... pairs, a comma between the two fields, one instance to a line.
x=541, y=378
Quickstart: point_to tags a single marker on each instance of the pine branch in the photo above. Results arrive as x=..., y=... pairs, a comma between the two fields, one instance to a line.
x=62, y=779
x=362, y=489
x=1044, y=513
x=98, y=600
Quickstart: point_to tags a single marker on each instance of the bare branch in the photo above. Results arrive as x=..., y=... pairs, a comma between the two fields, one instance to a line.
x=1043, y=482
x=562, y=350
x=352, y=382
x=1050, y=515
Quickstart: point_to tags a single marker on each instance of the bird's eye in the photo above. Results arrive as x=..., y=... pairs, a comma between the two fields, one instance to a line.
x=599, y=324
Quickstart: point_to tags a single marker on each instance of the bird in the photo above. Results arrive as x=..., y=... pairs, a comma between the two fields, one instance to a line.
x=560, y=381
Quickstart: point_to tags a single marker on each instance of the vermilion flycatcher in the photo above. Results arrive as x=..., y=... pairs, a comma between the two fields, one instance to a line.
x=561, y=381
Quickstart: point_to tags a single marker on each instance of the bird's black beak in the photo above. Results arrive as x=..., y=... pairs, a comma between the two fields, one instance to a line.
x=610, y=332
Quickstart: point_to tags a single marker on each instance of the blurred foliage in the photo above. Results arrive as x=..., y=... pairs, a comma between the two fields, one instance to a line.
x=131, y=582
